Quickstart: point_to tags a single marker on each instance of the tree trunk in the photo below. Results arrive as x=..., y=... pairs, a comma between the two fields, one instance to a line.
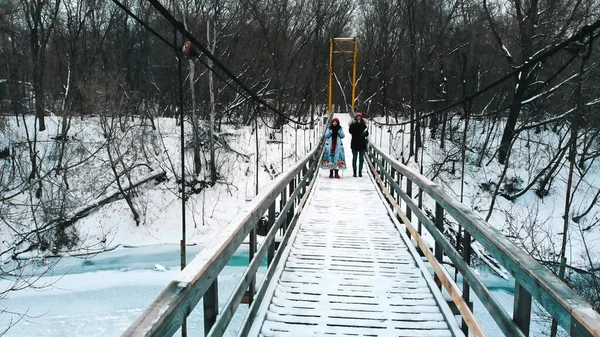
x=511, y=122
x=31, y=145
x=126, y=194
x=194, y=120
x=443, y=132
x=65, y=125
x=413, y=73
x=39, y=93
x=40, y=16
x=211, y=90
x=488, y=136
x=527, y=22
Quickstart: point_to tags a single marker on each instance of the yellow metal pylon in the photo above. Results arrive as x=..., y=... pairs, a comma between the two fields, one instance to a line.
x=342, y=51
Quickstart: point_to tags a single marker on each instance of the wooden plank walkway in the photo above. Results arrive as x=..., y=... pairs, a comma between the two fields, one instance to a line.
x=349, y=272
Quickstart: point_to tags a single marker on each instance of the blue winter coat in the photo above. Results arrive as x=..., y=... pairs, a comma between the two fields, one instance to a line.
x=337, y=160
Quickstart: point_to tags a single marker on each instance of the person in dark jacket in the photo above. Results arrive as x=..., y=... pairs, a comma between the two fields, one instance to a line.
x=359, y=132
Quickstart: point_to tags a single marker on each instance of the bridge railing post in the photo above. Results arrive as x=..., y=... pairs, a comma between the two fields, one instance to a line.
x=298, y=183
x=378, y=163
x=381, y=170
x=522, y=308
x=282, y=202
x=466, y=288
x=399, y=179
x=304, y=172
x=393, y=177
x=408, y=210
x=438, y=252
x=211, y=305
x=290, y=215
x=271, y=221
x=385, y=179
x=252, y=247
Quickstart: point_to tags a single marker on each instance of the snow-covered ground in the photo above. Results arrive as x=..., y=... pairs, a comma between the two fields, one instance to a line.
x=123, y=281
x=94, y=285
x=158, y=203
x=533, y=223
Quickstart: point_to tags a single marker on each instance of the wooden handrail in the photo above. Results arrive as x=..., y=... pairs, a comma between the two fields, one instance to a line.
x=570, y=310
x=503, y=320
x=165, y=314
x=439, y=270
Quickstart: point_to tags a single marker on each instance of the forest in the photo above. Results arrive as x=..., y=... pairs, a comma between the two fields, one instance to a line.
x=511, y=72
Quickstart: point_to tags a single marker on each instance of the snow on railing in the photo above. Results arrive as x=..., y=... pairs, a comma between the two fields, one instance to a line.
x=532, y=279
x=199, y=279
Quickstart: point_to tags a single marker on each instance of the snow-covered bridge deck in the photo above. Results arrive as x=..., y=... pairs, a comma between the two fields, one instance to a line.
x=349, y=271
x=345, y=269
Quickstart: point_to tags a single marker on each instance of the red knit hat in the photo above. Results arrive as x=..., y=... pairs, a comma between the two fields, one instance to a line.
x=358, y=115
x=335, y=120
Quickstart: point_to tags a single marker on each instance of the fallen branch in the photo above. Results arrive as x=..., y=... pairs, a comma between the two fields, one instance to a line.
x=112, y=197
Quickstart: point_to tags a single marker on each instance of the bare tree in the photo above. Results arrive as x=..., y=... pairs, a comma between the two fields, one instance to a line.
x=40, y=16
x=537, y=28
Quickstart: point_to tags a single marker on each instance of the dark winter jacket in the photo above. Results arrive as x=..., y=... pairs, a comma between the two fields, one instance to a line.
x=359, y=133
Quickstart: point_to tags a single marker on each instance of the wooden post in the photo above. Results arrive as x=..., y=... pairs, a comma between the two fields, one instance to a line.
x=522, y=308
x=393, y=175
x=283, y=199
x=211, y=306
x=251, y=251
x=271, y=221
x=466, y=288
x=408, y=210
x=399, y=181
x=439, y=224
x=420, y=204
x=304, y=172
x=290, y=215
x=385, y=168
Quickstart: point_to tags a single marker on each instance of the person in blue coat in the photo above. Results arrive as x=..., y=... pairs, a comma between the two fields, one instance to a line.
x=334, y=158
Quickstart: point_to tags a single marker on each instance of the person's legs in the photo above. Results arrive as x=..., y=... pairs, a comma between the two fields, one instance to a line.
x=361, y=162
x=354, y=157
x=330, y=173
x=337, y=175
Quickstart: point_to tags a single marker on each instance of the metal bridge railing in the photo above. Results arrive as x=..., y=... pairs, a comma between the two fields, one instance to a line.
x=532, y=280
x=198, y=280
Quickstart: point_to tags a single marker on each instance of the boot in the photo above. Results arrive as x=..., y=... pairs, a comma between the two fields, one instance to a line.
x=337, y=176
x=354, y=173
x=360, y=173
x=330, y=173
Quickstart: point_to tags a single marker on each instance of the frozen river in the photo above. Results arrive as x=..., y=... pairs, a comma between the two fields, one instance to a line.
x=102, y=296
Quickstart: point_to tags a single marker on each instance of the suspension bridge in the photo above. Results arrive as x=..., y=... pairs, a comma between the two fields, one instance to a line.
x=350, y=260
x=346, y=256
